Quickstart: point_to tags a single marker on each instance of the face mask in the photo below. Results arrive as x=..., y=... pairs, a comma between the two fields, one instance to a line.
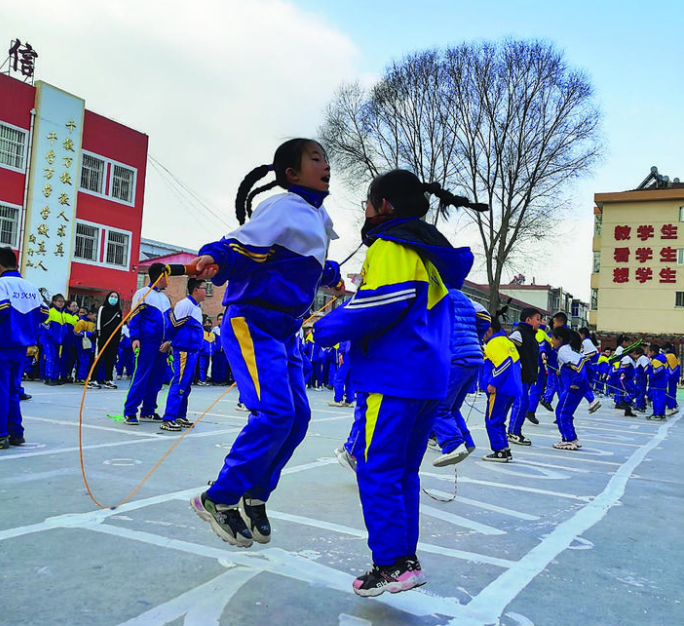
x=113, y=300
x=373, y=222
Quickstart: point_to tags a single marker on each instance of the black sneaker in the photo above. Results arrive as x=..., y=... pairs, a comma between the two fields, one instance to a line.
x=170, y=425
x=108, y=384
x=393, y=578
x=531, y=417
x=499, y=456
x=4, y=442
x=17, y=441
x=519, y=440
x=253, y=512
x=131, y=420
x=25, y=396
x=547, y=405
x=629, y=413
x=225, y=520
x=184, y=422
x=155, y=417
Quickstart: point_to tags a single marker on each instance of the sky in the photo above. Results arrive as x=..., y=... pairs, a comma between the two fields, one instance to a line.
x=217, y=85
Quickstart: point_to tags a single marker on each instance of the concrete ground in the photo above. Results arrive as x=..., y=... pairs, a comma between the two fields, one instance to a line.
x=555, y=538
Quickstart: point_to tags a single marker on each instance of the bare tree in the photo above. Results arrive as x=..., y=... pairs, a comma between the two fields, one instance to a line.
x=507, y=123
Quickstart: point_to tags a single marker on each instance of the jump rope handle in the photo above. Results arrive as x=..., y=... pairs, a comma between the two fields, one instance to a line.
x=177, y=269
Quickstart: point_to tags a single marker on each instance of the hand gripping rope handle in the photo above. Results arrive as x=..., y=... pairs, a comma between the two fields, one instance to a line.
x=176, y=269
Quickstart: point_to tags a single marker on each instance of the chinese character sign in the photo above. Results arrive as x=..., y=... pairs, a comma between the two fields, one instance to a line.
x=51, y=206
x=656, y=250
x=22, y=58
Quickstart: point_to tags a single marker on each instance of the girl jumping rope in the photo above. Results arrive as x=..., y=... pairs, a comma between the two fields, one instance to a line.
x=274, y=265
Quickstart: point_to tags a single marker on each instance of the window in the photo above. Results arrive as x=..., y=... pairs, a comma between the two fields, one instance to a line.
x=92, y=173
x=87, y=238
x=9, y=225
x=681, y=213
x=594, y=299
x=123, y=183
x=598, y=224
x=117, y=248
x=12, y=146
x=209, y=288
x=597, y=263
x=679, y=298
x=680, y=256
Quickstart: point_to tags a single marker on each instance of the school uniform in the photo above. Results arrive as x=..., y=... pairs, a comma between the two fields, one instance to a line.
x=69, y=352
x=185, y=332
x=149, y=325
x=674, y=374
x=125, y=359
x=591, y=355
x=219, y=363
x=503, y=372
x=657, y=384
x=343, y=385
x=205, y=354
x=54, y=337
x=627, y=372
x=273, y=264
x=641, y=381
x=21, y=313
x=85, y=335
x=537, y=389
x=602, y=370
x=575, y=384
x=398, y=324
x=525, y=339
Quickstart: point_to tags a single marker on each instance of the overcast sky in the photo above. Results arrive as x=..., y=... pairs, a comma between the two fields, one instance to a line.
x=218, y=84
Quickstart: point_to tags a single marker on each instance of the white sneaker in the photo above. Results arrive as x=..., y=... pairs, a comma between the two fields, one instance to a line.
x=453, y=457
x=594, y=406
x=241, y=407
x=345, y=459
x=669, y=412
x=333, y=403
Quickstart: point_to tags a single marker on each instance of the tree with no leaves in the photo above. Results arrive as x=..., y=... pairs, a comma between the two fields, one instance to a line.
x=507, y=123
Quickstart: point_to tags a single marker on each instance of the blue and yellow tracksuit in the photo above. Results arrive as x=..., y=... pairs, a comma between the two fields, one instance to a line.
x=69, y=348
x=398, y=324
x=573, y=371
x=674, y=374
x=219, y=364
x=21, y=314
x=84, y=329
x=627, y=372
x=274, y=264
x=602, y=370
x=149, y=325
x=502, y=371
x=54, y=337
x=470, y=322
x=344, y=387
x=657, y=383
x=205, y=354
x=537, y=389
x=641, y=381
x=185, y=333
x=614, y=386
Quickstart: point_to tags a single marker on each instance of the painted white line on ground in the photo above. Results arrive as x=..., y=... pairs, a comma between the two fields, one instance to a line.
x=552, y=466
x=484, y=505
x=488, y=606
x=584, y=439
x=577, y=457
x=457, y=520
x=500, y=485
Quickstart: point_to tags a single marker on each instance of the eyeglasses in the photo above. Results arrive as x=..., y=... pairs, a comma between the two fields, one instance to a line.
x=364, y=204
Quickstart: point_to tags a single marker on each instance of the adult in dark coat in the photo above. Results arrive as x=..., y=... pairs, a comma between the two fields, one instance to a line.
x=109, y=316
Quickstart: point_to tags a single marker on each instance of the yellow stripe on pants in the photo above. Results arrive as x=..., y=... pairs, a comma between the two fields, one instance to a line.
x=373, y=402
x=244, y=338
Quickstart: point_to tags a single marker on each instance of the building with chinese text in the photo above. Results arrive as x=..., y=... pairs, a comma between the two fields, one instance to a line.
x=71, y=192
x=637, y=281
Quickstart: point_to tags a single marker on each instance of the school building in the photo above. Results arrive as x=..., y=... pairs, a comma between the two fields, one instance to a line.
x=637, y=282
x=71, y=192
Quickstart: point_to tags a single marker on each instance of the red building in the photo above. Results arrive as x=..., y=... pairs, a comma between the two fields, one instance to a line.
x=71, y=192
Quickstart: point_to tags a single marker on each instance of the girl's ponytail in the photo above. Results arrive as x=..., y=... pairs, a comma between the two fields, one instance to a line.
x=243, y=200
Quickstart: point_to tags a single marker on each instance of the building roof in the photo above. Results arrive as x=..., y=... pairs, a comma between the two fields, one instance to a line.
x=151, y=249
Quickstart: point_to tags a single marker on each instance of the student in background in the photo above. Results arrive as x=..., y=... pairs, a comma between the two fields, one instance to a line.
x=219, y=363
x=109, y=316
x=674, y=374
x=641, y=379
x=85, y=337
x=205, y=354
x=657, y=382
x=54, y=337
x=591, y=356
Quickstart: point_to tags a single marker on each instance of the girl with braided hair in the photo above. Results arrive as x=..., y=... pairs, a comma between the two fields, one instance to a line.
x=274, y=264
x=399, y=327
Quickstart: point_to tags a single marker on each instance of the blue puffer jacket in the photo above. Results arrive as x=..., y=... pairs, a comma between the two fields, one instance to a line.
x=470, y=323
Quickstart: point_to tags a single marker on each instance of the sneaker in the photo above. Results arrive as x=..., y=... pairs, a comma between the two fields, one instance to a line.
x=519, y=440
x=345, y=459
x=333, y=403
x=432, y=443
x=413, y=564
x=530, y=416
x=499, y=456
x=567, y=445
x=94, y=385
x=25, y=396
x=108, y=384
x=4, y=442
x=547, y=405
x=349, y=404
x=622, y=405
x=184, y=422
x=669, y=412
x=225, y=520
x=171, y=425
x=393, y=578
x=253, y=512
x=451, y=458
x=628, y=412
x=155, y=417
x=131, y=420
x=594, y=406
x=17, y=441
x=202, y=383
x=241, y=407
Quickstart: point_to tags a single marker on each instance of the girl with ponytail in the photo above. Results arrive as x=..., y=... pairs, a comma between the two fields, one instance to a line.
x=274, y=264
x=399, y=326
